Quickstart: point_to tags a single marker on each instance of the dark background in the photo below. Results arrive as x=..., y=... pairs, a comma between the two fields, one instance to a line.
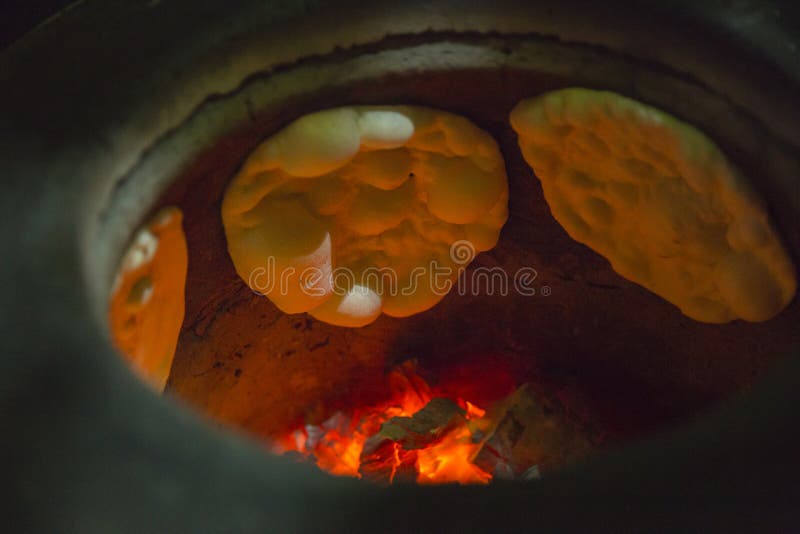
x=17, y=17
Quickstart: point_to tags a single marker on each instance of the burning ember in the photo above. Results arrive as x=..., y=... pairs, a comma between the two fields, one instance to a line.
x=431, y=436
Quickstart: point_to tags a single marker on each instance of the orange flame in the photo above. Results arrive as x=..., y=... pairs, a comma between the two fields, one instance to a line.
x=450, y=460
x=338, y=450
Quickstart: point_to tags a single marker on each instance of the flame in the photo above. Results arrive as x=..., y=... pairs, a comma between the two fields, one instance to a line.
x=451, y=461
x=473, y=412
x=338, y=443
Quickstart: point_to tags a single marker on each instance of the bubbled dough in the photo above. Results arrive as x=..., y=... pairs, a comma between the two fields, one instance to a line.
x=659, y=200
x=367, y=189
x=147, y=302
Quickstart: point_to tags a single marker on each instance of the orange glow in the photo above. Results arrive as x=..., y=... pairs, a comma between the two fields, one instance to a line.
x=147, y=302
x=337, y=445
x=450, y=460
x=473, y=412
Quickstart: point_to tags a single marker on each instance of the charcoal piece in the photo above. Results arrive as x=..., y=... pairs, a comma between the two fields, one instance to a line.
x=389, y=463
x=424, y=428
x=390, y=455
x=533, y=432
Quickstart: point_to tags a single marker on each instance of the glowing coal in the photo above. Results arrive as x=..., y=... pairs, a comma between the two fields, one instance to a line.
x=424, y=435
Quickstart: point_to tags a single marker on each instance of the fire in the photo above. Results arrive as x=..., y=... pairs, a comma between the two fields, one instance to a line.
x=390, y=441
x=451, y=461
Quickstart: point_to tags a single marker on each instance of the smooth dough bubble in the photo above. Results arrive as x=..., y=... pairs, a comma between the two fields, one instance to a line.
x=458, y=191
x=384, y=169
x=352, y=190
x=359, y=306
x=375, y=210
x=319, y=143
x=748, y=287
x=384, y=129
x=659, y=199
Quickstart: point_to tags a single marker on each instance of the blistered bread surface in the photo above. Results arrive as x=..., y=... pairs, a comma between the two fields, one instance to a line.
x=147, y=302
x=659, y=200
x=336, y=214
